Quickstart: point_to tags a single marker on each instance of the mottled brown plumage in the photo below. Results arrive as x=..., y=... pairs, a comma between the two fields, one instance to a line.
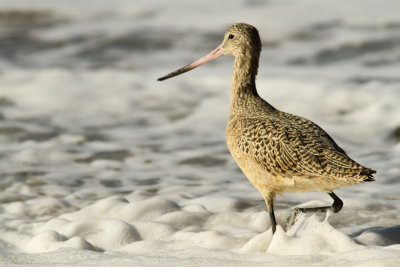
x=277, y=151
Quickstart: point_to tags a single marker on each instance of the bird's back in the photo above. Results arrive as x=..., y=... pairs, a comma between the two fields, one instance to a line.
x=283, y=147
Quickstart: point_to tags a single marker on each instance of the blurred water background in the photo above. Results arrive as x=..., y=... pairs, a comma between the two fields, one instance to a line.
x=83, y=120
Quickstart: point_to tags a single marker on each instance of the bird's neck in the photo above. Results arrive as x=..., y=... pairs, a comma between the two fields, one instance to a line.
x=243, y=86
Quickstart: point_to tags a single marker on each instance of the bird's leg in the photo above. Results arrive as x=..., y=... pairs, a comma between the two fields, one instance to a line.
x=336, y=207
x=273, y=220
x=337, y=203
x=269, y=200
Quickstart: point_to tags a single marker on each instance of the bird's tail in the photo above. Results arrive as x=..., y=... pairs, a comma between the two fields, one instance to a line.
x=368, y=175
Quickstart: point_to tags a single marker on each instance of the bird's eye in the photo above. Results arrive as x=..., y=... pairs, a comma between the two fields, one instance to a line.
x=231, y=36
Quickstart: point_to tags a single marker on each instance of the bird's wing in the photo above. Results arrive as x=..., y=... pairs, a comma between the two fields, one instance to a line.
x=296, y=147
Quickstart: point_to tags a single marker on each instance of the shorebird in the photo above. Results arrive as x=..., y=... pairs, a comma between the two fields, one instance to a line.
x=277, y=151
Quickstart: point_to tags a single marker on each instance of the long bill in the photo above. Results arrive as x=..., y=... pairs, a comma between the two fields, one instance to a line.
x=216, y=53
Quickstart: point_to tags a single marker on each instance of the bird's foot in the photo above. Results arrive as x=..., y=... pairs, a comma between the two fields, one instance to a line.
x=293, y=218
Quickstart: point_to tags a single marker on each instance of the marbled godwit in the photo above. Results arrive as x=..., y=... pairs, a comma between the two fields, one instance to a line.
x=277, y=151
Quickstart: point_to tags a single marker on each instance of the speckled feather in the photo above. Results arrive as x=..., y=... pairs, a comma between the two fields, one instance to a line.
x=287, y=145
